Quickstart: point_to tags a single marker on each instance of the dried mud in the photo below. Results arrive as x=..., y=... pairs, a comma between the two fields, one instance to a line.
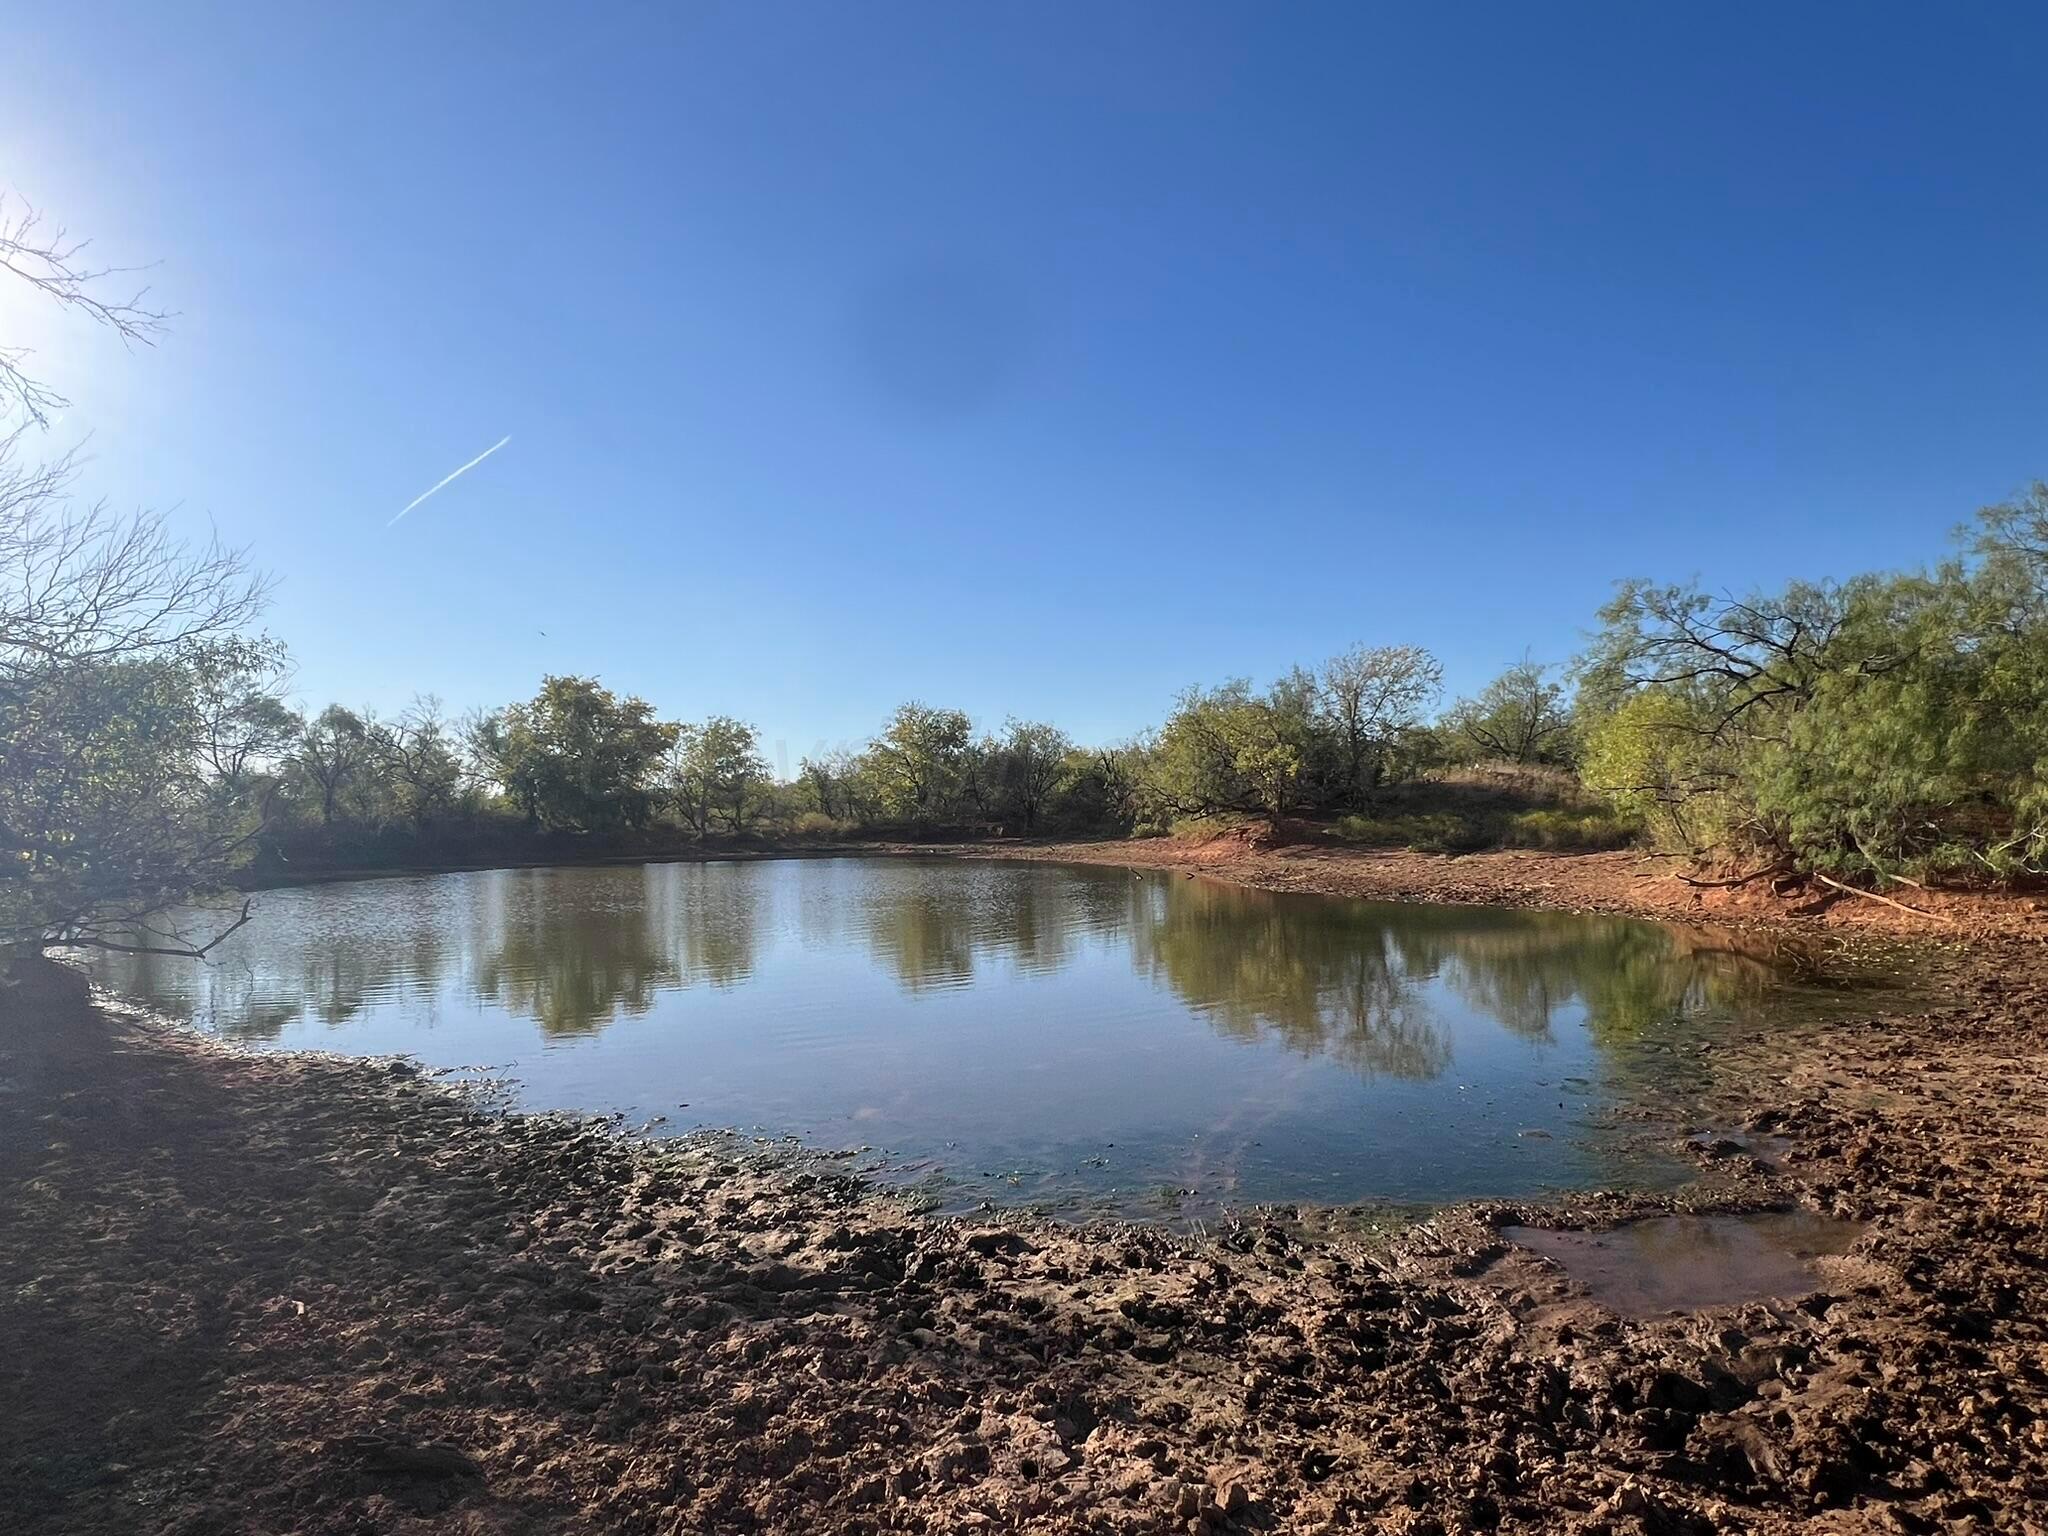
x=244, y=1293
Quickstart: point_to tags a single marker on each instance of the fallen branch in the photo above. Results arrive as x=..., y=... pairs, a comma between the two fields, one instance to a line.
x=1852, y=890
x=1711, y=885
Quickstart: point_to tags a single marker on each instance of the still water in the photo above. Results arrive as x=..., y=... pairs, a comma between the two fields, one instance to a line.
x=1070, y=1035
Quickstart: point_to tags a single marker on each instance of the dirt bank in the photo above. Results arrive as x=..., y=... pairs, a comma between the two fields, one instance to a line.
x=1625, y=882
x=271, y=1293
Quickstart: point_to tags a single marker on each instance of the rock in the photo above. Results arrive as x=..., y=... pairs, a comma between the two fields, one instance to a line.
x=1718, y=1148
x=1629, y=1499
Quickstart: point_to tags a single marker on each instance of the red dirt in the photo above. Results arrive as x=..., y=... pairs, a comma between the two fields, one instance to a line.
x=1624, y=882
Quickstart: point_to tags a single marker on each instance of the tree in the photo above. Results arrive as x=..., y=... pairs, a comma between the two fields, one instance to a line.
x=119, y=644
x=576, y=755
x=839, y=785
x=917, y=762
x=337, y=748
x=1229, y=749
x=1686, y=697
x=246, y=729
x=1032, y=760
x=419, y=758
x=115, y=640
x=1519, y=717
x=1370, y=695
x=716, y=770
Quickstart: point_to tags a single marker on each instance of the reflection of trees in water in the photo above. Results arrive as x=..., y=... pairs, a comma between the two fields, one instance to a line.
x=1627, y=977
x=223, y=993
x=578, y=952
x=931, y=930
x=925, y=937
x=1319, y=976
x=710, y=918
x=568, y=949
x=326, y=954
x=572, y=949
x=573, y=971
x=1345, y=979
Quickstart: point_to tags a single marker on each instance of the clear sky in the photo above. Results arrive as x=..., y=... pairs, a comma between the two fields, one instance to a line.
x=1034, y=358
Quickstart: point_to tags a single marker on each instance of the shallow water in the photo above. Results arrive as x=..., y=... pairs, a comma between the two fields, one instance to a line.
x=1076, y=1035
x=1683, y=1263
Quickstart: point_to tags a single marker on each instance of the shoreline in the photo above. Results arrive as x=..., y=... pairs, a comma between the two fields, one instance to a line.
x=323, y=1294
x=1620, y=883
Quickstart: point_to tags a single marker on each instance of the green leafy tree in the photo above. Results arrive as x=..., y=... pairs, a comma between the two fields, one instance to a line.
x=1230, y=749
x=716, y=773
x=118, y=645
x=918, y=762
x=576, y=755
x=336, y=753
x=1032, y=767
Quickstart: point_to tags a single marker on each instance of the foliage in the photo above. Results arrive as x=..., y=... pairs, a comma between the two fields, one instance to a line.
x=1881, y=727
x=1031, y=767
x=336, y=748
x=577, y=755
x=131, y=719
x=422, y=764
x=1230, y=749
x=716, y=773
x=1519, y=717
x=918, y=761
x=1490, y=805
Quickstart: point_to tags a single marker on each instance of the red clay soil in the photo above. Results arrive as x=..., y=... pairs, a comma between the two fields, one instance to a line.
x=1623, y=882
x=275, y=1293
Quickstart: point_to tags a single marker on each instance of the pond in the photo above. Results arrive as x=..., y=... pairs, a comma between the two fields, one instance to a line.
x=1081, y=1037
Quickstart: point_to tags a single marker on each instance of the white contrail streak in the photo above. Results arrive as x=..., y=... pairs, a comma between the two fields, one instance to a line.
x=472, y=464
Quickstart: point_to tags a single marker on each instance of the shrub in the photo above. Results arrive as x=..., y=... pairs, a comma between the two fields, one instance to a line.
x=1427, y=832
x=1563, y=830
x=822, y=828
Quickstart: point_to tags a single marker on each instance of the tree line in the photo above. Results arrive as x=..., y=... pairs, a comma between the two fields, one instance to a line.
x=577, y=757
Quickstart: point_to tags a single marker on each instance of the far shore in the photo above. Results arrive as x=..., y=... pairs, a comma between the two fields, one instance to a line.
x=1621, y=882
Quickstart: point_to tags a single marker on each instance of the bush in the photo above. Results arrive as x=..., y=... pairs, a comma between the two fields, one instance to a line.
x=1488, y=805
x=819, y=827
x=1578, y=831
x=1427, y=832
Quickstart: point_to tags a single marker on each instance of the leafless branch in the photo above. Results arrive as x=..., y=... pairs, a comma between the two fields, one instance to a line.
x=52, y=263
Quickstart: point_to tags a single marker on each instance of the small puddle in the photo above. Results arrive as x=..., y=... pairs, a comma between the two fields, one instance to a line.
x=1684, y=1263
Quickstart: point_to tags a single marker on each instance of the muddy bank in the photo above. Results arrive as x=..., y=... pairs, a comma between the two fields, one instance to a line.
x=309, y=1294
x=1624, y=883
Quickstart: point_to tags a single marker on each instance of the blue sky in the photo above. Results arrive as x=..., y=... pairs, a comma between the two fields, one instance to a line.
x=1034, y=358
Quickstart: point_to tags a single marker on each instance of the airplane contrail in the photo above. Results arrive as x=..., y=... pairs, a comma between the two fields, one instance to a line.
x=472, y=464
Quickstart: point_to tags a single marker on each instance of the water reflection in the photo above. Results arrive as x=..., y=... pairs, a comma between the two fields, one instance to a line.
x=1027, y=918
x=1020, y=1026
x=575, y=950
x=1324, y=978
x=1352, y=980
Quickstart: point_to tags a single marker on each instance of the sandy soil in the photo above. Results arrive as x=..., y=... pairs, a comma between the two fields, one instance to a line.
x=277, y=1293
